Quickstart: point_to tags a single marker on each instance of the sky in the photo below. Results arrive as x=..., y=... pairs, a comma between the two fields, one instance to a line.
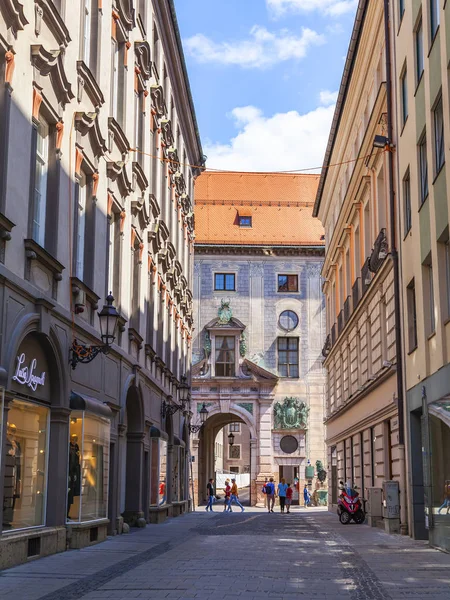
x=264, y=76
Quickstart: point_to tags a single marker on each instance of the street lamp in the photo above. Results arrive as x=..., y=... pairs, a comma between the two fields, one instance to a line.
x=203, y=416
x=108, y=317
x=231, y=439
x=171, y=407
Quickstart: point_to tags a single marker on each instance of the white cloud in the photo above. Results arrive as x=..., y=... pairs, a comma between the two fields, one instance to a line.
x=262, y=49
x=332, y=8
x=326, y=97
x=282, y=142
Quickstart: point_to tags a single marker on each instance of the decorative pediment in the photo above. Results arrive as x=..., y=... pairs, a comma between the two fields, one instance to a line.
x=126, y=13
x=158, y=103
x=225, y=318
x=139, y=210
x=116, y=172
x=174, y=161
x=139, y=177
x=164, y=230
x=50, y=63
x=117, y=134
x=166, y=131
x=185, y=203
x=86, y=81
x=143, y=61
x=257, y=372
x=13, y=14
x=46, y=11
x=172, y=252
x=89, y=123
x=154, y=206
x=180, y=185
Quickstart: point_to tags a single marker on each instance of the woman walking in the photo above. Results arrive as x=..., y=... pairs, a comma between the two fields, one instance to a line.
x=282, y=489
x=289, y=493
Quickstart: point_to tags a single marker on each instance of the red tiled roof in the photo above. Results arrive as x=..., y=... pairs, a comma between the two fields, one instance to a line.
x=280, y=206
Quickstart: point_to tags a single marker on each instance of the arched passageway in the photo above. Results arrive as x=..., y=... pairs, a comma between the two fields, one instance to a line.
x=136, y=474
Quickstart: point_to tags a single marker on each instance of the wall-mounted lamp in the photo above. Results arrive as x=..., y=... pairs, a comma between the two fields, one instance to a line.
x=203, y=416
x=171, y=407
x=108, y=317
x=231, y=439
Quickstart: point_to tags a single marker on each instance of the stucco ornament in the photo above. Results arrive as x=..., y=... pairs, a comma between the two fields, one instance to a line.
x=243, y=345
x=207, y=345
x=292, y=414
x=225, y=312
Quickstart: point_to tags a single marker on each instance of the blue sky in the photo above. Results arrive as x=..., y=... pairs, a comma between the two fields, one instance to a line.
x=263, y=74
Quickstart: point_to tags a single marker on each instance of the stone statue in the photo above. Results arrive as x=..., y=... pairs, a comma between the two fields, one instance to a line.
x=225, y=312
x=321, y=473
x=292, y=414
x=243, y=345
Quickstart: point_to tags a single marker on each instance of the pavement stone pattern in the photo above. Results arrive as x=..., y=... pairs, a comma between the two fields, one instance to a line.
x=251, y=556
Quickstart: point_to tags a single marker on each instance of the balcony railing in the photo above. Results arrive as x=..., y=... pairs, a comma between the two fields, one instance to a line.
x=347, y=309
x=333, y=335
x=340, y=321
x=379, y=252
x=356, y=292
x=366, y=277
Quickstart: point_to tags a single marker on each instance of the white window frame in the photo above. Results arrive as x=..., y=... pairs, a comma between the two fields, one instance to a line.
x=86, y=30
x=114, y=79
x=81, y=226
x=41, y=182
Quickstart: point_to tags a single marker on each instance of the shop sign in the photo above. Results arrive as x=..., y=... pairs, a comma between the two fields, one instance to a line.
x=25, y=375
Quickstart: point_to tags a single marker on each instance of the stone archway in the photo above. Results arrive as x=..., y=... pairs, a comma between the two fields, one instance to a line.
x=135, y=476
x=203, y=448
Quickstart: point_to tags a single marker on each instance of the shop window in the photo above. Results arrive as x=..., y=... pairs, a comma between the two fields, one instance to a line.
x=440, y=471
x=88, y=467
x=176, y=474
x=158, y=475
x=25, y=465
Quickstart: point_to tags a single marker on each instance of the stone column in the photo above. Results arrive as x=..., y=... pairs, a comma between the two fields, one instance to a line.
x=265, y=446
x=57, y=466
x=254, y=471
x=169, y=486
x=195, y=467
x=134, y=478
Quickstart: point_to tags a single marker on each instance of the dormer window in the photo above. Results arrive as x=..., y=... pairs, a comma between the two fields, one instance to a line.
x=225, y=356
x=245, y=217
x=245, y=221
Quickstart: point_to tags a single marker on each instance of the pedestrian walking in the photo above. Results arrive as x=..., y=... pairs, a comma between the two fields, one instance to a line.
x=234, y=496
x=289, y=493
x=446, y=503
x=306, y=496
x=264, y=491
x=227, y=490
x=270, y=491
x=210, y=495
x=282, y=489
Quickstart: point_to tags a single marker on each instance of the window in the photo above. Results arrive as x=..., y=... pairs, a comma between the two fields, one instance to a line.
x=86, y=24
x=419, y=51
x=156, y=59
x=423, y=168
x=139, y=126
x=412, y=316
x=434, y=17
x=234, y=428
x=88, y=467
x=404, y=88
x=288, y=357
x=142, y=11
x=430, y=320
x=114, y=256
x=225, y=282
x=439, y=149
x=158, y=475
x=114, y=78
x=245, y=221
x=288, y=320
x=80, y=227
x=401, y=8
x=40, y=183
x=288, y=283
x=407, y=201
x=234, y=452
x=447, y=275
x=225, y=356
x=24, y=465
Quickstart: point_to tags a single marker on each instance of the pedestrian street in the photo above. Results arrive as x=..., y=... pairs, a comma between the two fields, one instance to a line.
x=252, y=555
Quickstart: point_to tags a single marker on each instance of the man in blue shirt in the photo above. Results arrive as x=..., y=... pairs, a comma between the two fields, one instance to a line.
x=282, y=489
x=270, y=492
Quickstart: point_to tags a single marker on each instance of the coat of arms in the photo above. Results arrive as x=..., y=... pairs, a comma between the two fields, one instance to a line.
x=225, y=312
x=292, y=414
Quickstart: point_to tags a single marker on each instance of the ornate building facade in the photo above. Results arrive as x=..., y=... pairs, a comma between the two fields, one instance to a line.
x=95, y=102
x=259, y=314
x=353, y=203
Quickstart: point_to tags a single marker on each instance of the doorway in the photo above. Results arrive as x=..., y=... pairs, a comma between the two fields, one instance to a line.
x=290, y=474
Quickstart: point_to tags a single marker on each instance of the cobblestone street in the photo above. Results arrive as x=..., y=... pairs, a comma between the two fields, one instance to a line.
x=250, y=555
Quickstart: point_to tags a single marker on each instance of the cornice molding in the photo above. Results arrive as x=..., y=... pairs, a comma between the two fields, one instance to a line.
x=139, y=177
x=50, y=63
x=118, y=136
x=87, y=81
x=116, y=171
x=89, y=123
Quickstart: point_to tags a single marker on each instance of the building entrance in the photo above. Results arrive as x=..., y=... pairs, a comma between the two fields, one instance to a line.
x=291, y=474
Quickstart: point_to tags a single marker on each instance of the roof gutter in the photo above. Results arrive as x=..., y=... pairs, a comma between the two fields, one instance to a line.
x=345, y=82
x=186, y=78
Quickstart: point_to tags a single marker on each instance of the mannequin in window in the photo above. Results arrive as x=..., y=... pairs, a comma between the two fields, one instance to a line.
x=74, y=472
x=13, y=474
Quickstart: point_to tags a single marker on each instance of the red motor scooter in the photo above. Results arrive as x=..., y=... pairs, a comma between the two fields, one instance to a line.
x=350, y=505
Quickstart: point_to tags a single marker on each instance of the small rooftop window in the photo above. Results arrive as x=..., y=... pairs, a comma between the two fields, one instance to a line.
x=245, y=221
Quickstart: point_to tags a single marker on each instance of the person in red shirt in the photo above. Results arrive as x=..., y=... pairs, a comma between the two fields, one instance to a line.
x=289, y=493
x=227, y=490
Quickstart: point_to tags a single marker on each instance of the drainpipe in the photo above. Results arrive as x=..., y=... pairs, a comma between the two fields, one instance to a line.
x=396, y=270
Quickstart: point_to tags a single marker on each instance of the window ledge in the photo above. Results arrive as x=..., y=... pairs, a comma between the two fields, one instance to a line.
x=404, y=125
x=438, y=173
x=431, y=335
x=433, y=40
x=447, y=321
x=408, y=234
x=35, y=252
x=150, y=352
x=412, y=350
x=419, y=81
x=423, y=203
x=134, y=336
x=79, y=287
